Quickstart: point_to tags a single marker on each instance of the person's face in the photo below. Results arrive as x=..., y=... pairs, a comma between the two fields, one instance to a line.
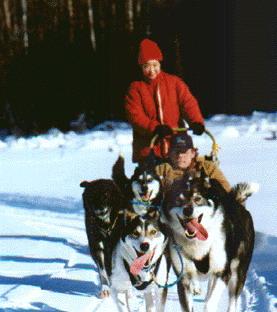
x=182, y=159
x=151, y=69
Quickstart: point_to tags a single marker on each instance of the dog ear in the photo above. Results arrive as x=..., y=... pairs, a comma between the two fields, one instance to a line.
x=137, y=170
x=153, y=214
x=118, y=173
x=151, y=161
x=216, y=190
x=84, y=184
x=129, y=214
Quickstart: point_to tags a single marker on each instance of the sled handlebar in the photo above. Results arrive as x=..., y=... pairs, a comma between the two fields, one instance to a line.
x=215, y=146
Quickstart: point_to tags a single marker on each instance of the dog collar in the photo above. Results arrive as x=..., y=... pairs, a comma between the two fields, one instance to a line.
x=108, y=231
x=134, y=202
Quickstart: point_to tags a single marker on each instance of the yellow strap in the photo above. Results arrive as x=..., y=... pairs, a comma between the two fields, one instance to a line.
x=215, y=146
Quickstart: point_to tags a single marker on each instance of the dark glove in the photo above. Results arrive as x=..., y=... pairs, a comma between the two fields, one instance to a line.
x=197, y=127
x=162, y=131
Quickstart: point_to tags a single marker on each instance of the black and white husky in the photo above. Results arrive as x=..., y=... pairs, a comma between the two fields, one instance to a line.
x=215, y=235
x=139, y=260
x=143, y=190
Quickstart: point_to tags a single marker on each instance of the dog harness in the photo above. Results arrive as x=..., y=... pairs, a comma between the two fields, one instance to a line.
x=179, y=277
x=141, y=285
x=109, y=230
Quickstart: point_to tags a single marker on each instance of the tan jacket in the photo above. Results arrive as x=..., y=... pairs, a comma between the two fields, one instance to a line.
x=165, y=170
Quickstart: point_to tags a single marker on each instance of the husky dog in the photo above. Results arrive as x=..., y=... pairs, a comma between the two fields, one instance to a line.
x=215, y=234
x=139, y=260
x=103, y=202
x=144, y=189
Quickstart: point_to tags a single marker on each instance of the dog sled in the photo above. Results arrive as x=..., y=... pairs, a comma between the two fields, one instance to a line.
x=214, y=149
x=195, y=226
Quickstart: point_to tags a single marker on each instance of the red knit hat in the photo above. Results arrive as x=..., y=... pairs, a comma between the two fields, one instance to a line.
x=149, y=50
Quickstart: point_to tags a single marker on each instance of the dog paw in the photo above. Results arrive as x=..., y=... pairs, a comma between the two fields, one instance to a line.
x=105, y=292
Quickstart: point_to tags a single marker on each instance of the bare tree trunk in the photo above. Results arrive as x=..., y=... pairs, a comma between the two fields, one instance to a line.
x=130, y=15
x=7, y=16
x=11, y=120
x=147, y=12
x=102, y=21
x=71, y=20
x=138, y=8
x=113, y=12
x=91, y=25
x=24, y=25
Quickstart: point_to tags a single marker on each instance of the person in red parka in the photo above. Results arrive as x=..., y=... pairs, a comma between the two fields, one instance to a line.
x=157, y=103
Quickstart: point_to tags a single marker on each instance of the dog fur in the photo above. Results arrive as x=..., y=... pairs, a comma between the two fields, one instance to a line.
x=144, y=190
x=215, y=234
x=140, y=235
x=103, y=203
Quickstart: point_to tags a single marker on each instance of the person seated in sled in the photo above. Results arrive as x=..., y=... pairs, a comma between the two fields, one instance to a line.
x=156, y=103
x=183, y=157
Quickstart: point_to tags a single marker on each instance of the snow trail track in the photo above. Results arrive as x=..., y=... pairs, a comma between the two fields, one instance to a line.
x=46, y=266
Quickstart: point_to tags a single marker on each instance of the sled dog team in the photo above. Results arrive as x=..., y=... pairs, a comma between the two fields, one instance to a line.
x=138, y=228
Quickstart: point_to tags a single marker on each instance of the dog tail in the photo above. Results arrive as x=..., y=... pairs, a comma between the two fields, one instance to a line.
x=118, y=174
x=243, y=190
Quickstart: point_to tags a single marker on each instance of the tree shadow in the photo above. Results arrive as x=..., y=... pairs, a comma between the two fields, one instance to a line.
x=46, y=281
x=264, y=260
x=54, y=284
x=83, y=249
x=61, y=205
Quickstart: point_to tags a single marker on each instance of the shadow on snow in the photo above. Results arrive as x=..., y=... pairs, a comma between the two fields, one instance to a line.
x=63, y=205
x=79, y=248
x=46, y=282
x=59, y=285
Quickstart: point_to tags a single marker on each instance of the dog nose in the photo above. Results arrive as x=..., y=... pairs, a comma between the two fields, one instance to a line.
x=187, y=211
x=144, y=246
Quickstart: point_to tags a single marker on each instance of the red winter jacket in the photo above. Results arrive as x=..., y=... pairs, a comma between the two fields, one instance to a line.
x=141, y=108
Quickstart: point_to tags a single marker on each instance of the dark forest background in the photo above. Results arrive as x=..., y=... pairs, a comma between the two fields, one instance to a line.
x=68, y=60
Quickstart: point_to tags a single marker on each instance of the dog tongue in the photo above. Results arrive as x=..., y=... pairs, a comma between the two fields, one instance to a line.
x=138, y=264
x=194, y=226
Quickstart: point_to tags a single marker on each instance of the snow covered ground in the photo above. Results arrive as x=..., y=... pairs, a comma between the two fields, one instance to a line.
x=44, y=257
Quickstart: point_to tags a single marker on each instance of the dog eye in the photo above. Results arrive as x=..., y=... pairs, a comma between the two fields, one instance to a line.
x=136, y=233
x=153, y=232
x=198, y=199
x=210, y=203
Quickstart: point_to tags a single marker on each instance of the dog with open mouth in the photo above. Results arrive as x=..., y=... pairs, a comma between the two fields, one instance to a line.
x=103, y=203
x=215, y=235
x=143, y=190
x=139, y=260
